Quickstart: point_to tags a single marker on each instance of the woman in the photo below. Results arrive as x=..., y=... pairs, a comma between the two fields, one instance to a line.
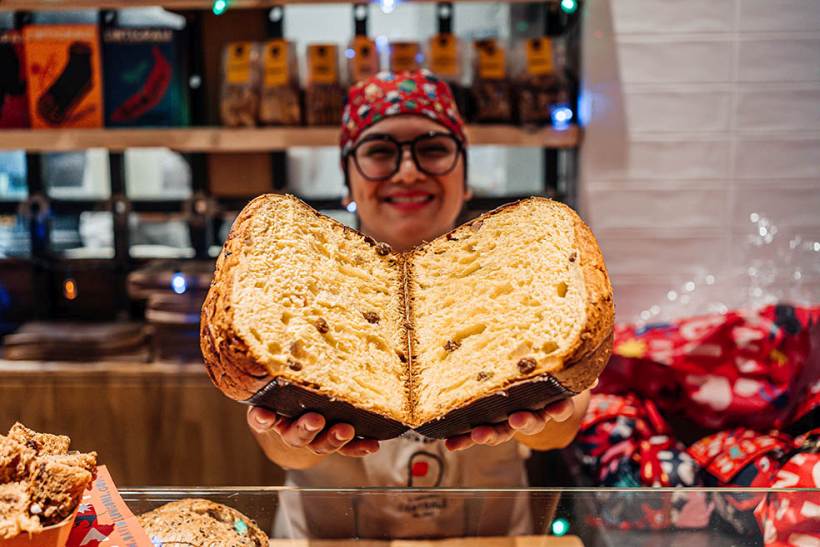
x=404, y=160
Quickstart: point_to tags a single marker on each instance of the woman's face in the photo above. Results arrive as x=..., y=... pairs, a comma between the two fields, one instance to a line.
x=411, y=206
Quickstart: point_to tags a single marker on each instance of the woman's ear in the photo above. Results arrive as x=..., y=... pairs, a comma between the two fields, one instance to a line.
x=346, y=200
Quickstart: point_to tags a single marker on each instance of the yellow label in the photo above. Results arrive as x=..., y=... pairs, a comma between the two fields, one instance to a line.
x=365, y=61
x=539, y=56
x=491, y=60
x=444, y=55
x=238, y=66
x=275, y=63
x=404, y=56
x=322, y=64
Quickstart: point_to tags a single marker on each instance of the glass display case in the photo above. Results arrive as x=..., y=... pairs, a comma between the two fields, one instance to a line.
x=573, y=516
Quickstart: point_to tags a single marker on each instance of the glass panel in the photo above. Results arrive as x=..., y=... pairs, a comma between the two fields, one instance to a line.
x=605, y=517
x=156, y=173
x=96, y=235
x=77, y=175
x=13, y=175
x=159, y=236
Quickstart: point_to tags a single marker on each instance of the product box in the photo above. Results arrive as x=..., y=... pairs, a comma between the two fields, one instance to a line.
x=64, y=76
x=239, y=102
x=13, y=99
x=280, y=101
x=324, y=96
x=144, y=78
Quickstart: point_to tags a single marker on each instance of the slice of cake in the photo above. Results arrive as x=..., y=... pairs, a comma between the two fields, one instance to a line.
x=14, y=514
x=42, y=443
x=511, y=311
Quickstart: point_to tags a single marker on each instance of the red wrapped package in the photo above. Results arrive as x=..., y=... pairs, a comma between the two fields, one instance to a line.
x=793, y=518
x=718, y=371
x=740, y=458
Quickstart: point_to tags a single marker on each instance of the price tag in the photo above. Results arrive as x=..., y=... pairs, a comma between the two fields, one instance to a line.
x=365, y=61
x=322, y=64
x=275, y=63
x=404, y=56
x=238, y=66
x=539, y=56
x=444, y=55
x=491, y=60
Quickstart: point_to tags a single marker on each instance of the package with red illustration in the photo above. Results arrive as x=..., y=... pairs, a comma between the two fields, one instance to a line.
x=144, y=78
x=64, y=76
x=13, y=99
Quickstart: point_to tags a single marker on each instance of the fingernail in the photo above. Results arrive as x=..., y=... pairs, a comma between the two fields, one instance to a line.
x=312, y=427
x=263, y=421
x=339, y=437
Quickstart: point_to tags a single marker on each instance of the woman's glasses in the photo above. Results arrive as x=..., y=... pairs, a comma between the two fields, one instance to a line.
x=378, y=156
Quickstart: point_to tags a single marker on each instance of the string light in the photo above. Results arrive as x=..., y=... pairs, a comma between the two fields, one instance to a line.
x=560, y=527
x=220, y=6
x=351, y=207
x=70, y=288
x=569, y=6
x=561, y=115
x=178, y=283
x=388, y=6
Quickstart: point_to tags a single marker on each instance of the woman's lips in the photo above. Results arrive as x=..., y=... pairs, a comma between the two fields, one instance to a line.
x=410, y=201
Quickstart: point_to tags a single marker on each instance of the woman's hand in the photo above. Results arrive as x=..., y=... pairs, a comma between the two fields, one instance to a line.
x=552, y=427
x=305, y=441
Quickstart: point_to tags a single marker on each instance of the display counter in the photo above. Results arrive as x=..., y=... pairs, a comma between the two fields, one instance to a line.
x=559, y=517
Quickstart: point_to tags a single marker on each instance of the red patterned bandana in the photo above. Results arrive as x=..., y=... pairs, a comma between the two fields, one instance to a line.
x=387, y=94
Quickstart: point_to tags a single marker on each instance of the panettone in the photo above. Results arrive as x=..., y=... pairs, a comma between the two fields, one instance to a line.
x=508, y=311
x=201, y=523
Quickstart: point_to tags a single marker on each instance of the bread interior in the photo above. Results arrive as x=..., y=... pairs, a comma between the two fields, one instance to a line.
x=498, y=301
x=319, y=306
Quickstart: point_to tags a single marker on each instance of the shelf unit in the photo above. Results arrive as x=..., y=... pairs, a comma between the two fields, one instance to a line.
x=203, y=144
x=220, y=139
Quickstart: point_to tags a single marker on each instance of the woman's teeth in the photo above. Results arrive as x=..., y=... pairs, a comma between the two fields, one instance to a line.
x=408, y=199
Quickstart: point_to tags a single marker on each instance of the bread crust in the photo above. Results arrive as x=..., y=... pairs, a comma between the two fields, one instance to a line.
x=233, y=368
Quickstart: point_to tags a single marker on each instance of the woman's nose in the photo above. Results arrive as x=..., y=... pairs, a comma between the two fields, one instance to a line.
x=408, y=170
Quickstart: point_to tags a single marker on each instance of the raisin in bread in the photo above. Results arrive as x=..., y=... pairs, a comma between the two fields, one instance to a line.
x=201, y=523
x=511, y=310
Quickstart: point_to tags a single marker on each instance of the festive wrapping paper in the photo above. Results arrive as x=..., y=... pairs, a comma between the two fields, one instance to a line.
x=624, y=442
x=807, y=412
x=794, y=518
x=740, y=458
x=719, y=371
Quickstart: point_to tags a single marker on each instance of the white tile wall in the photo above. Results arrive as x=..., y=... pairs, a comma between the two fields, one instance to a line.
x=722, y=104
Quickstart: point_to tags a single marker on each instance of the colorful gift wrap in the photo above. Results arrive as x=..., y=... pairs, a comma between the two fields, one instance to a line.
x=719, y=371
x=740, y=458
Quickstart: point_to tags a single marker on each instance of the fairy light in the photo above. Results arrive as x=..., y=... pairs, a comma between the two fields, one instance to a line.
x=569, y=6
x=560, y=527
x=70, y=288
x=220, y=6
x=388, y=6
x=178, y=283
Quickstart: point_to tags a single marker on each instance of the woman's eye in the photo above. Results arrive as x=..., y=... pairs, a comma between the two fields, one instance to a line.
x=379, y=152
x=433, y=150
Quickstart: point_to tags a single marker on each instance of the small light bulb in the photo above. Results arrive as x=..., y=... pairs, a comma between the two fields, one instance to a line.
x=561, y=115
x=219, y=7
x=560, y=527
x=178, y=283
x=351, y=207
x=690, y=286
x=710, y=279
x=569, y=6
x=672, y=296
x=70, y=289
x=350, y=53
x=387, y=6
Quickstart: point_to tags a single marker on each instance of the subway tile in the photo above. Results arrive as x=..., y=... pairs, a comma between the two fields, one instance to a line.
x=778, y=109
x=652, y=61
x=785, y=204
x=779, y=15
x=686, y=253
x=678, y=111
x=777, y=159
x=779, y=60
x=651, y=16
x=675, y=160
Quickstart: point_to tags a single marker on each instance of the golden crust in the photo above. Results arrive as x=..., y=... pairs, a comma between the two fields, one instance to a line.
x=239, y=374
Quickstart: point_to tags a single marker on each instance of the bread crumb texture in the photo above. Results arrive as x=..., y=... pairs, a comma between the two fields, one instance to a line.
x=517, y=294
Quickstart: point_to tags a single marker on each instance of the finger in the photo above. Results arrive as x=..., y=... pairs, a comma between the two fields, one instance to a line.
x=358, y=448
x=561, y=411
x=332, y=439
x=492, y=435
x=302, y=431
x=503, y=433
x=528, y=423
x=459, y=442
x=260, y=419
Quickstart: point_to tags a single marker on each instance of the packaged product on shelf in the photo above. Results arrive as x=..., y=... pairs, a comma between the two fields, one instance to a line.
x=13, y=100
x=324, y=94
x=239, y=104
x=538, y=86
x=280, y=101
x=405, y=56
x=444, y=60
x=492, y=91
x=363, y=59
x=64, y=76
x=144, y=78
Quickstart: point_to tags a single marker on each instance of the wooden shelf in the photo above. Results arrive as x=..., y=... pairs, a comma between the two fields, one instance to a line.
x=219, y=139
x=46, y=5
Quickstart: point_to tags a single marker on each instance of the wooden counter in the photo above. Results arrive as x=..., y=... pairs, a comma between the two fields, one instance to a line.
x=152, y=424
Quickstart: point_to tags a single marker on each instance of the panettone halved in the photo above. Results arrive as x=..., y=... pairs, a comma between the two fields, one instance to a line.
x=511, y=310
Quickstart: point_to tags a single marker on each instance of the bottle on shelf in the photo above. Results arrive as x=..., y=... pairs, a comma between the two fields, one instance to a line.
x=324, y=93
x=491, y=90
x=280, y=102
x=405, y=55
x=239, y=103
x=444, y=56
x=361, y=53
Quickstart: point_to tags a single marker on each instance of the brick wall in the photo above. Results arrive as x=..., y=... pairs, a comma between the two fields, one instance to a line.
x=721, y=104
